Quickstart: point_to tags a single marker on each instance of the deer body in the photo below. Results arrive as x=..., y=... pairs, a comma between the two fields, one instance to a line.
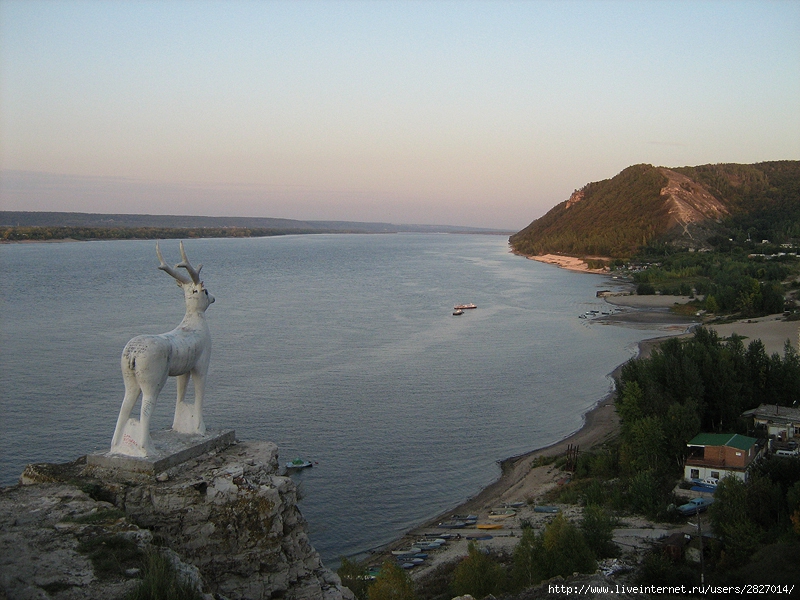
x=148, y=360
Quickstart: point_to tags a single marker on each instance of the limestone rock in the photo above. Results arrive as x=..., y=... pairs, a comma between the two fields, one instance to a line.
x=229, y=518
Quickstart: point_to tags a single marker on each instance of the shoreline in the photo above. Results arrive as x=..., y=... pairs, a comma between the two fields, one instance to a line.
x=570, y=263
x=524, y=481
x=520, y=480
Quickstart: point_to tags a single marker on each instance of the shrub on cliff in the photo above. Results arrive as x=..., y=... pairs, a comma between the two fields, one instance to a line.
x=392, y=584
x=478, y=575
x=560, y=549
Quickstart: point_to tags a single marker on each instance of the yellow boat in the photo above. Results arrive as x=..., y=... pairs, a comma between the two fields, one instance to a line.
x=489, y=526
x=502, y=514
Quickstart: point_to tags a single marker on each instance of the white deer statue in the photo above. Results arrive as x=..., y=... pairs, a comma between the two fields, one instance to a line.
x=148, y=360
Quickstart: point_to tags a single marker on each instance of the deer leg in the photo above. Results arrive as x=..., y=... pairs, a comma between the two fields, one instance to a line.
x=150, y=392
x=132, y=391
x=181, y=422
x=199, y=378
x=189, y=417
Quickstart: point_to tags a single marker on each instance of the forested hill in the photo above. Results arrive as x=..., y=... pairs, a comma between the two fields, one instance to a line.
x=687, y=206
x=29, y=225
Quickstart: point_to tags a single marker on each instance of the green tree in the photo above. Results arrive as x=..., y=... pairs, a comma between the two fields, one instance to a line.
x=680, y=425
x=597, y=527
x=644, y=495
x=478, y=575
x=731, y=521
x=642, y=445
x=566, y=550
x=354, y=577
x=630, y=403
x=529, y=560
x=393, y=583
x=559, y=550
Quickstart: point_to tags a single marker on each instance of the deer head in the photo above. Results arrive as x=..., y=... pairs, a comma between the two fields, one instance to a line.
x=196, y=295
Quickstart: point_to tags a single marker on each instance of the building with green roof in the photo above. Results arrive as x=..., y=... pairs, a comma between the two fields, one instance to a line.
x=718, y=455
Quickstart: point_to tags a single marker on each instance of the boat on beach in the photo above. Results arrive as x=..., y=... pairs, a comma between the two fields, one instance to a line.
x=502, y=513
x=452, y=524
x=407, y=552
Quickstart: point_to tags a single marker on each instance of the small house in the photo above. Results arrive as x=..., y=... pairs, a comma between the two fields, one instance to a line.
x=779, y=423
x=719, y=455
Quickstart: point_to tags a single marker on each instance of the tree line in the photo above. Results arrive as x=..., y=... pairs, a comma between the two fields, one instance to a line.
x=18, y=234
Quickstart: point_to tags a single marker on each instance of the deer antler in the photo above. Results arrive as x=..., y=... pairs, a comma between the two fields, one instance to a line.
x=169, y=270
x=194, y=274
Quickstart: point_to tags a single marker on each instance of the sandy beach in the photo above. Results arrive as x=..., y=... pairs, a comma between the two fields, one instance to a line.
x=524, y=482
x=570, y=263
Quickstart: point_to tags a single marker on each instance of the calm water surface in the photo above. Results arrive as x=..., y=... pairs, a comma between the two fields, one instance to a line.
x=342, y=349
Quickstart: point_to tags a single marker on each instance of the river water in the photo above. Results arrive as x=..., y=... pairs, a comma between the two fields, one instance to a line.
x=342, y=349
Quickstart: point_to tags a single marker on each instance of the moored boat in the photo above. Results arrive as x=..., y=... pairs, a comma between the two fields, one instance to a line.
x=299, y=463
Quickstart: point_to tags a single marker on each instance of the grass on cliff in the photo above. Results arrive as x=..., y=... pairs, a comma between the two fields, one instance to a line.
x=111, y=555
x=161, y=582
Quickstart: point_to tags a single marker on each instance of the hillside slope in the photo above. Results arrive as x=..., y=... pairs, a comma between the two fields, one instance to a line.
x=682, y=206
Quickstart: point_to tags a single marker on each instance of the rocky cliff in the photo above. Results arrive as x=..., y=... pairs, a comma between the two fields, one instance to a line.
x=227, y=521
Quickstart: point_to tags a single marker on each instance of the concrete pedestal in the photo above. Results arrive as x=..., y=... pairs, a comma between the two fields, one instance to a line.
x=171, y=449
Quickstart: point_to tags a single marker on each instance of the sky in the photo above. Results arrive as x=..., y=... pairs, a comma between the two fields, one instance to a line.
x=474, y=113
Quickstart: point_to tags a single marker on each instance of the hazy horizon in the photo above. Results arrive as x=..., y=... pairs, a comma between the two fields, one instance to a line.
x=476, y=113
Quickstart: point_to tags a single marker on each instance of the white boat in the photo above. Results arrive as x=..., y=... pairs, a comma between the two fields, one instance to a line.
x=299, y=463
x=458, y=312
x=407, y=551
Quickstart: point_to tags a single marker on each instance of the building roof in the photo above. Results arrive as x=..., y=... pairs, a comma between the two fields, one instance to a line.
x=773, y=412
x=733, y=440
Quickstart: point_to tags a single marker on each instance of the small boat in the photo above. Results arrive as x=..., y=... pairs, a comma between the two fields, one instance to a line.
x=444, y=536
x=299, y=463
x=489, y=526
x=464, y=306
x=406, y=552
x=458, y=312
x=479, y=536
x=545, y=509
x=431, y=542
x=429, y=545
x=410, y=561
x=452, y=524
x=502, y=514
